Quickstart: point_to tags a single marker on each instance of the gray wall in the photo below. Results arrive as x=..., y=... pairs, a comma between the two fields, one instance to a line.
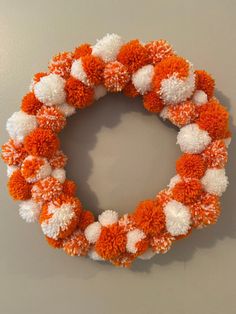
x=112, y=169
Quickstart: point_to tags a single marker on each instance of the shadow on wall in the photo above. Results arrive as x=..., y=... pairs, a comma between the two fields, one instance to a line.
x=102, y=117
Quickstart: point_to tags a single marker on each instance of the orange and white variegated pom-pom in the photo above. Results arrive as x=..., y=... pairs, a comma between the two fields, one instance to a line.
x=46, y=190
x=51, y=118
x=76, y=244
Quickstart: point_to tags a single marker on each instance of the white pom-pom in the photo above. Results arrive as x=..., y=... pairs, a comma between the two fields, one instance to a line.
x=108, y=47
x=77, y=71
x=178, y=218
x=20, y=124
x=59, y=174
x=29, y=211
x=142, y=79
x=175, y=90
x=66, y=109
x=108, y=217
x=164, y=113
x=173, y=181
x=50, y=90
x=94, y=255
x=227, y=141
x=92, y=232
x=199, y=97
x=148, y=254
x=215, y=181
x=133, y=237
x=99, y=92
x=192, y=139
x=11, y=169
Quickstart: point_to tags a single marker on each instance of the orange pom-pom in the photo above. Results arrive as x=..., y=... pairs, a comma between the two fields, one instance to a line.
x=133, y=55
x=69, y=187
x=130, y=90
x=13, y=154
x=167, y=67
x=216, y=155
x=116, y=76
x=51, y=118
x=30, y=104
x=86, y=218
x=162, y=243
x=182, y=114
x=149, y=217
x=58, y=160
x=206, y=211
x=42, y=143
x=213, y=118
x=76, y=244
x=93, y=67
x=56, y=244
x=18, y=188
x=35, y=168
x=205, y=82
x=112, y=242
x=187, y=192
x=191, y=166
x=158, y=50
x=78, y=94
x=46, y=190
x=82, y=51
x=60, y=64
x=152, y=102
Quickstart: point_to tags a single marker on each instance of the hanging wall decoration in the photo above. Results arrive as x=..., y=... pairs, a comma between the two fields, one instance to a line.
x=170, y=87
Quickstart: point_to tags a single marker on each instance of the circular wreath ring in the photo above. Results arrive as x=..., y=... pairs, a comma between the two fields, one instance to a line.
x=169, y=86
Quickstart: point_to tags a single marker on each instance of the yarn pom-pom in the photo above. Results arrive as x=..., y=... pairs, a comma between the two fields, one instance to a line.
x=78, y=94
x=34, y=169
x=187, y=192
x=159, y=50
x=206, y=211
x=199, y=97
x=42, y=143
x=36, y=78
x=93, y=231
x=205, y=82
x=108, y=47
x=82, y=50
x=58, y=160
x=130, y=90
x=162, y=244
x=51, y=118
x=178, y=218
x=66, y=110
x=46, y=190
x=134, y=238
x=133, y=55
x=29, y=211
x=76, y=244
x=216, y=155
x=191, y=166
x=86, y=218
x=116, y=76
x=30, y=104
x=152, y=102
x=59, y=174
x=13, y=154
x=192, y=139
x=149, y=217
x=69, y=187
x=111, y=242
x=142, y=79
x=60, y=64
x=182, y=114
x=18, y=188
x=50, y=90
x=108, y=217
x=20, y=124
x=215, y=181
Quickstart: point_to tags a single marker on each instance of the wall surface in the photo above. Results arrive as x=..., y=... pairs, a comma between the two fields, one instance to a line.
x=119, y=155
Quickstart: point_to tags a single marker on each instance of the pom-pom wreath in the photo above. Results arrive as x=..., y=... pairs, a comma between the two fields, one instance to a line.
x=205, y=82
x=60, y=64
x=20, y=124
x=51, y=118
x=18, y=188
x=170, y=87
x=78, y=94
x=152, y=102
x=50, y=90
x=116, y=76
x=30, y=104
x=42, y=143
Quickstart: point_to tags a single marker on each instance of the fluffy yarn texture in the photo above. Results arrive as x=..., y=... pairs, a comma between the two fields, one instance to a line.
x=168, y=86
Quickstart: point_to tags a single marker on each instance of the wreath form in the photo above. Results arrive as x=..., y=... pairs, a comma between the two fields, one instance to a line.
x=170, y=87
